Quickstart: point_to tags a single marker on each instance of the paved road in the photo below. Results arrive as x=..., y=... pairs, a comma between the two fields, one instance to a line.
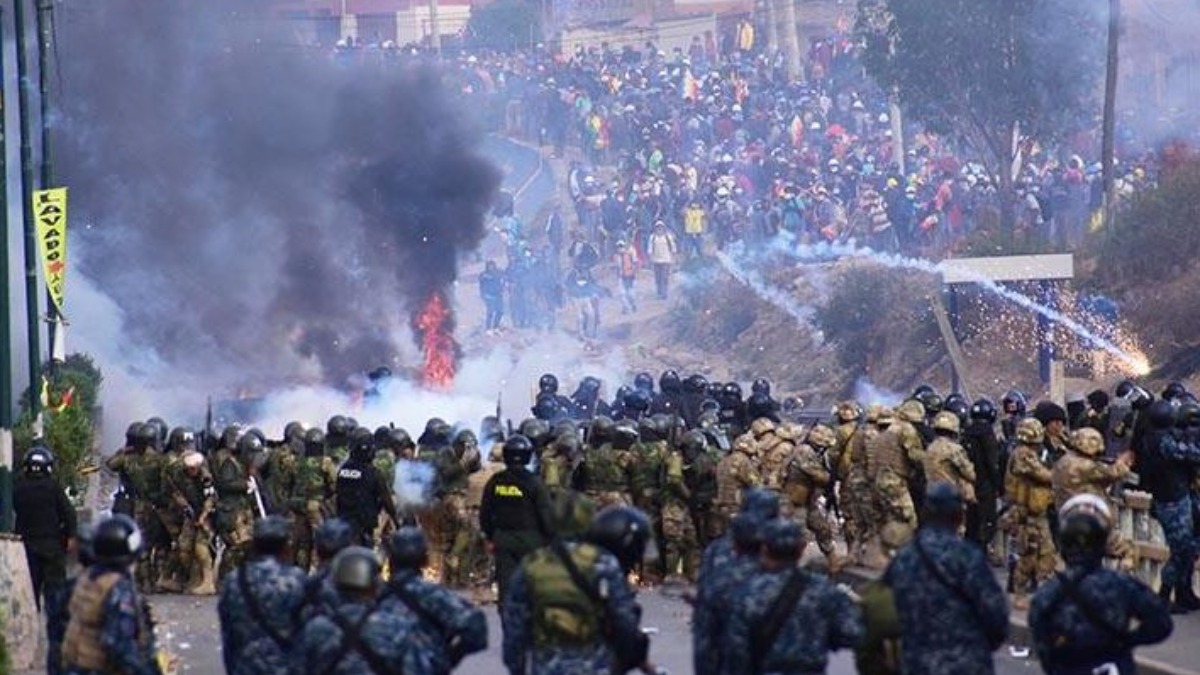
x=188, y=627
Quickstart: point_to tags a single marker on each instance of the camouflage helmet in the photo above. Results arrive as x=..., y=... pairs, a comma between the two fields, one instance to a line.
x=790, y=431
x=762, y=426
x=911, y=411
x=1087, y=441
x=886, y=417
x=848, y=411
x=745, y=444
x=821, y=436
x=1030, y=431
x=571, y=513
x=874, y=412
x=946, y=421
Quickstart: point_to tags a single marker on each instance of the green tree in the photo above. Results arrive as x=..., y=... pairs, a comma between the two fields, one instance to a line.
x=67, y=430
x=989, y=75
x=504, y=25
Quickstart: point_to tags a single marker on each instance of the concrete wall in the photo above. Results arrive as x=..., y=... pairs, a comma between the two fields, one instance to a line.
x=18, y=612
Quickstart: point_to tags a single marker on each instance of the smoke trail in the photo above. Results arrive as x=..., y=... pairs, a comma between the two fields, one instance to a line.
x=867, y=392
x=774, y=296
x=259, y=212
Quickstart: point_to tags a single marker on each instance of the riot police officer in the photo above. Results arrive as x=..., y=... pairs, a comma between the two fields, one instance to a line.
x=362, y=491
x=513, y=514
x=45, y=521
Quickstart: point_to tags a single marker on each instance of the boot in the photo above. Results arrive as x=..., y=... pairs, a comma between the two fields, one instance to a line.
x=207, y=584
x=1185, y=598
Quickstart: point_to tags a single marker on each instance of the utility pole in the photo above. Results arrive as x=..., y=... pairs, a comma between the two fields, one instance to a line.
x=33, y=321
x=791, y=41
x=435, y=35
x=6, y=354
x=45, y=22
x=1107, y=140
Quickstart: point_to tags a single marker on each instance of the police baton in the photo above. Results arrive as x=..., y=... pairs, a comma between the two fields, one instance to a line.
x=258, y=500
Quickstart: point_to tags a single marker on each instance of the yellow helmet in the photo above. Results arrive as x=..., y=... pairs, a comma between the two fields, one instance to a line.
x=821, y=436
x=1030, y=431
x=1087, y=441
x=946, y=421
x=761, y=426
x=911, y=411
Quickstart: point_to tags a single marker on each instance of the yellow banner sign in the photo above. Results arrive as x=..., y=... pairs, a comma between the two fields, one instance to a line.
x=50, y=213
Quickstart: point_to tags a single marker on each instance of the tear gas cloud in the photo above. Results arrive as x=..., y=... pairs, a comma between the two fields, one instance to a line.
x=256, y=214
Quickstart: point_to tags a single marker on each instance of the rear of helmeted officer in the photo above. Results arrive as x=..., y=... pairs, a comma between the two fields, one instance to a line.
x=109, y=630
x=45, y=521
x=361, y=636
x=570, y=610
x=513, y=514
x=362, y=491
x=258, y=603
x=454, y=626
x=1089, y=619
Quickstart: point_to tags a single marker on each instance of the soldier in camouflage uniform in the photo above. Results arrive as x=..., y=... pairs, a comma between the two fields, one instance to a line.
x=360, y=635
x=455, y=627
x=557, y=461
x=727, y=562
x=700, y=477
x=555, y=626
x=736, y=471
x=847, y=415
x=455, y=466
x=946, y=461
x=773, y=450
x=1089, y=619
x=193, y=499
x=434, y=449
x=475, y=555
x=337, y=440
x=606, y=467
x=894, y=467
x=646, y=479
x=1082, y=471
x=235, y=501
x=140, y=467
x=1028, y=484
x=259, y=602
x=394, y=444
x=279, y=470
x=314, y=486
x=785, y=619
x=952, y=613
x=858, y=513
x=681, y=547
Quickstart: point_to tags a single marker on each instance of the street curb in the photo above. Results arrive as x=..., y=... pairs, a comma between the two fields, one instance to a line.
x=1019, y=632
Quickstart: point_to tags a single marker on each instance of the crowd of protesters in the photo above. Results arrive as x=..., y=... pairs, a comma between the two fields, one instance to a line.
x=716, y=144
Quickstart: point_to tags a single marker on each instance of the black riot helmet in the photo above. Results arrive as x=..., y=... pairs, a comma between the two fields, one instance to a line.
x=271, y=535
x=39, y=460
x=548, y=384
x=984, y=410
x=131, y=432
x=601, y=430
x=715, y=390
x=230, y=436
x=362, y=446
x=181, y=438
x=644, y=382
x=333, y=535
x=932, y=403
x=692, y=445
x=922, y=390
x=624, y=532
x=146, y=437
x=336, y=428
x=249, y=444
x=314, y=443
x=761, y=386
x=590, y=384
x=293, y=430
x=637, y=401
x=669, y=382
x=732, y=391
x=383, y=437
x=759, y=405
x=547, y=408
x=958, y=406
x=1124, y=388
x=1173, y=391
x=407, y=549
x=1161, y=414
x=518, y=450
x=161, y=429
x=537, y=431
x=437, y=433
x=399, y=440
x=355, y=569
x=695, y=384
x=1014, y=403
x=624, y=435
x=648, y=430
x=1188, y=415
x=117, y=540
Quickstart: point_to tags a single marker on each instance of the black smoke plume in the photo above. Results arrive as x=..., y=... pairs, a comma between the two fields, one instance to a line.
x=255, y=204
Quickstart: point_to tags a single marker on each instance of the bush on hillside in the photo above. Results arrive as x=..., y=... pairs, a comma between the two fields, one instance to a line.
x=1156, y=237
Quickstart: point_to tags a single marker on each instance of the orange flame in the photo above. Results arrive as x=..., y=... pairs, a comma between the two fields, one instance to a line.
x=434, y=324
